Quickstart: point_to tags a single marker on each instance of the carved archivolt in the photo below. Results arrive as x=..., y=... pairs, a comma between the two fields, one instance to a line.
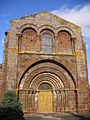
x=28, y=25
x=66, y=28
x=49, y=27
x=45, y=26
x=46, y=72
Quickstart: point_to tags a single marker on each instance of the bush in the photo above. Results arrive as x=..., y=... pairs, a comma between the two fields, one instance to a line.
x=10, y=108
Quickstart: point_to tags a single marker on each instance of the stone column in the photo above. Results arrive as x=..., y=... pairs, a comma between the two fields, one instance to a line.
x=73, y=45
x=19, y=35
x=62, y=101
x=30, y=101
x=33, y=101
x=55, y=44
x=54, y=101
x=38, y=44
x=36, y=101
x=58, y=108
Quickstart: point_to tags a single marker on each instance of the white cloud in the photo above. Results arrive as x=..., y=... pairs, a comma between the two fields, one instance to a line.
x=86, y=45
x=79, y=15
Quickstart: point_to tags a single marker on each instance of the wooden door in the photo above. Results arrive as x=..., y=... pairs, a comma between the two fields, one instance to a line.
x=45, y=102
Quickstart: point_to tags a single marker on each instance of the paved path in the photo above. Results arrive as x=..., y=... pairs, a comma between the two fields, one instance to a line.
x=58, y=117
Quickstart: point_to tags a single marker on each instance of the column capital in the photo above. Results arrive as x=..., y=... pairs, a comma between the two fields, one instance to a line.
x=18, y=34
x=73, y=38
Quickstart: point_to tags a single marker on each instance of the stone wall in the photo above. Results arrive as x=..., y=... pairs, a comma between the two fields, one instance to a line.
x=23, y=48
x=26, y=60
x=89, y=97
x=0, y=79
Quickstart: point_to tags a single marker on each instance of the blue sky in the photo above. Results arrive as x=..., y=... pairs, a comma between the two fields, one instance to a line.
x=76, y=11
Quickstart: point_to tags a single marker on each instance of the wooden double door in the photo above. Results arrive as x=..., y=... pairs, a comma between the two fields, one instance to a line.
x=45, y=102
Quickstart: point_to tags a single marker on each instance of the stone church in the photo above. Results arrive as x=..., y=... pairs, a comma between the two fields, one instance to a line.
x=44, y=61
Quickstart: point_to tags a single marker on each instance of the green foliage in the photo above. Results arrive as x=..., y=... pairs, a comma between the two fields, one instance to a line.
x=10, y=100
x=10, y=108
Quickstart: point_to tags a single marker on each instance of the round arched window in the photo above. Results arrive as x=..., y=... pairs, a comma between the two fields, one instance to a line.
x=46, y=43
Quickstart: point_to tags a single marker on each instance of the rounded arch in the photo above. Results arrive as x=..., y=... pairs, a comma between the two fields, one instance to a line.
x=47, y=37
x=28, y=39
x=46, y=82
x=45, y=86
x=52, y=78
x=64, y=41
x=67, y=29
x=47, y=31
x=48, y=27
x=65, y=32
x=29, y=28
x=48, y=61
x=28, y=25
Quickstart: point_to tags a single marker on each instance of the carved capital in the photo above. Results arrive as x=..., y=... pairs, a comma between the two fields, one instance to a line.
x=19, y=35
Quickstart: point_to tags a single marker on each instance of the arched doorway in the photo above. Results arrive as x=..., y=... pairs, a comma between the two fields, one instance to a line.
x=45, y=98
x=43, y=80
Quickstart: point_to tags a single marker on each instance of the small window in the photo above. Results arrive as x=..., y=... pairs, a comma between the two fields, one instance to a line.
x=47, y=43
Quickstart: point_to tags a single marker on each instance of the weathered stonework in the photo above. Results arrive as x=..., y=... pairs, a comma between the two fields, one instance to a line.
x=42, y=48
x=0, y=78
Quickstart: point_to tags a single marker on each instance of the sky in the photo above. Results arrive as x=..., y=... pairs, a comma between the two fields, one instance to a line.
x=76, y=11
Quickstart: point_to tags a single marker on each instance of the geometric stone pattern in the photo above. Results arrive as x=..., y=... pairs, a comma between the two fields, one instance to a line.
x=61, y=62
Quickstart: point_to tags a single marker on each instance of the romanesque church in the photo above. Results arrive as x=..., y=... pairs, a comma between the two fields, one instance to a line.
x=44, y=61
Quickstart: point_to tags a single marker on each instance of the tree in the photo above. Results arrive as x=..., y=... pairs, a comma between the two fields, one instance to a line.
x=10, y=107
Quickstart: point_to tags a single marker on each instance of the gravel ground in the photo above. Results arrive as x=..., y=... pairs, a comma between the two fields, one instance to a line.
x=58, y=117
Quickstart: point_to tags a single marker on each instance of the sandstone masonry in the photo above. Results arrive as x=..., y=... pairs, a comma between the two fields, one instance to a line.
x=43, y=52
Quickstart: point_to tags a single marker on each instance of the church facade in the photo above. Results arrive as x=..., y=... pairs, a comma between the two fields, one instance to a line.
x=44, y=61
